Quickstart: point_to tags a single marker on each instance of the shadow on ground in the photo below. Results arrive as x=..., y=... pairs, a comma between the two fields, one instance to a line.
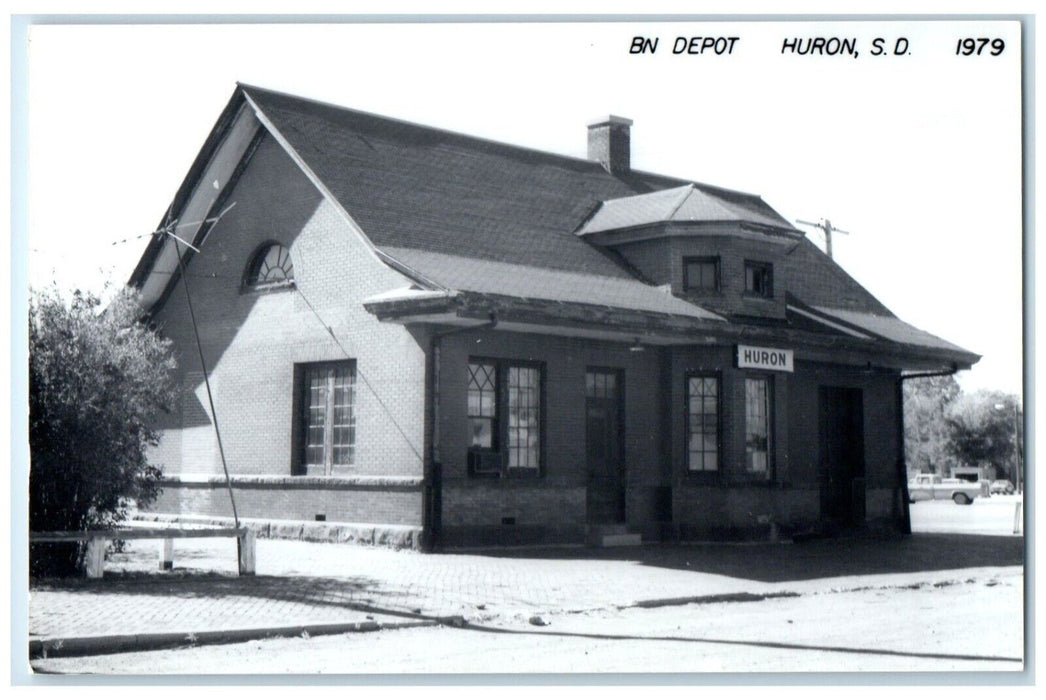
x=769, y=563
x=349, y=593
x=831, y=558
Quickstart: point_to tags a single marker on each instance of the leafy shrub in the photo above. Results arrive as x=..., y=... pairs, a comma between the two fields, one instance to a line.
x=96, y=378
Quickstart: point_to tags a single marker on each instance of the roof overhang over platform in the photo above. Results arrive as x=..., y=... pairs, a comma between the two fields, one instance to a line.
x=460, y=309
x=544, y=317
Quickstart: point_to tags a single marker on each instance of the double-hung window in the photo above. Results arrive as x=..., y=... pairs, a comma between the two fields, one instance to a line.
x=523, y=401
x=701, y=274
x=759, y=426
x=328, y=417
x=505, y=417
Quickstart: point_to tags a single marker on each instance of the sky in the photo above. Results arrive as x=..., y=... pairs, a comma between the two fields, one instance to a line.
x=917, y=156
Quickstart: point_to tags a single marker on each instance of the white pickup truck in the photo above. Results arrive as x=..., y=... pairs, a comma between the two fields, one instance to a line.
x=930, y=487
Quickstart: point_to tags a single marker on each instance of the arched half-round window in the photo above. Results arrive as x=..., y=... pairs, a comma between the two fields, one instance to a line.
x=270, y=266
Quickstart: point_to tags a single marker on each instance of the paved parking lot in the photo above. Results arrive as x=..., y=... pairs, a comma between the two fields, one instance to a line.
x=301, y=583
x=985, y=516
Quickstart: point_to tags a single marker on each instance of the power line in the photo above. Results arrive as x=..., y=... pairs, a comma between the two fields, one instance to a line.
x=361, y=375
x=171, y=226
x=168, y=229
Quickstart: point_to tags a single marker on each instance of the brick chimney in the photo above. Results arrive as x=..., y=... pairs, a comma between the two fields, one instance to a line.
x=609, y=143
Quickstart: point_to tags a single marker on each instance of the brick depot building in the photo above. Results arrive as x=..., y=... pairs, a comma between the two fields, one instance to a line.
x=424, y=338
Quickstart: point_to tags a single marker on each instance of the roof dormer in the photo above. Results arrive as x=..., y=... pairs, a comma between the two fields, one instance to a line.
x=720, y=249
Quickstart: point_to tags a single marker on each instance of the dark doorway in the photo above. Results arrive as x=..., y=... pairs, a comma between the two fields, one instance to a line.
x=604, y=445
x=842, y=455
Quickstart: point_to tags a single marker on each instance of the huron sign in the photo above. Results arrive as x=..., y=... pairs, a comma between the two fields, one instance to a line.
x=764, y=358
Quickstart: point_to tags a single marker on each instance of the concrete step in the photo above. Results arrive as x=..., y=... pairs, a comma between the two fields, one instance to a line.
x=612, y=535
x=628, y=539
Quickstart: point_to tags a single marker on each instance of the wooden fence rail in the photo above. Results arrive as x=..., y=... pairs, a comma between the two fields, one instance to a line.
x=97, y=541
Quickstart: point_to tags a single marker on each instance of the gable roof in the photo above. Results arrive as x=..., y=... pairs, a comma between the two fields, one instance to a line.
x=464, y=213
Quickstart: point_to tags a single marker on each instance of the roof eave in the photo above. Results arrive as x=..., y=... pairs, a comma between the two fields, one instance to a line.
x=662, y=229
x=960, y=358
x=685, y=330
x=465, y=304
x=406, y=308
x=199, y=165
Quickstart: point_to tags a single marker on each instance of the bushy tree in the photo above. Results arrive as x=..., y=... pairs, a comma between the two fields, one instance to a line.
x=982, y=430
x=926, y=404
x=96, y=378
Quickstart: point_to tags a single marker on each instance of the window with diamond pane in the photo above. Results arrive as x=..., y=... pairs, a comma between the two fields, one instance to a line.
x=482, y=404
x=702, y=423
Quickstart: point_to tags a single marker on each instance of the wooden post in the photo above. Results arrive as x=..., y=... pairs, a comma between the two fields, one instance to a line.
x=166, y=554
x=245, y=544
x=1017, y=529
x=96, y=557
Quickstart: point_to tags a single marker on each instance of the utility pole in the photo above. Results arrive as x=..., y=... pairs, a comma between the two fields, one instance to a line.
x=827, y=229
x=1017, y=443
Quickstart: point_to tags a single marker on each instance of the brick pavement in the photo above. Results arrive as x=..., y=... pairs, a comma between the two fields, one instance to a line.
x=302, y=583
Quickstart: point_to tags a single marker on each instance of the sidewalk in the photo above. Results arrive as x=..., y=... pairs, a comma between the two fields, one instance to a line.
x=325, y=588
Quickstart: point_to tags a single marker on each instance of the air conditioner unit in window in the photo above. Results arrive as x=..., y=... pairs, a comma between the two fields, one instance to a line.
x=484, y=463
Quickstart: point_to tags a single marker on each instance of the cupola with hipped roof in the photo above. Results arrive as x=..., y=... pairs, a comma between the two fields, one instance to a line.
x=711, y=245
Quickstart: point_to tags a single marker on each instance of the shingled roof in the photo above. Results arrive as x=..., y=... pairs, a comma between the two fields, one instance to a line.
x=411, y=186
x=479, y=216
x=493, y=277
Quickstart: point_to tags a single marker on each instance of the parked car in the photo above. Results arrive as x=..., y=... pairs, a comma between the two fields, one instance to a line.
x=930, y=487
x=1002, y=486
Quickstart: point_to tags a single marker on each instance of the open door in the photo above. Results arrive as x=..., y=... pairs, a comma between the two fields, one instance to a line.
x=842, y=455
